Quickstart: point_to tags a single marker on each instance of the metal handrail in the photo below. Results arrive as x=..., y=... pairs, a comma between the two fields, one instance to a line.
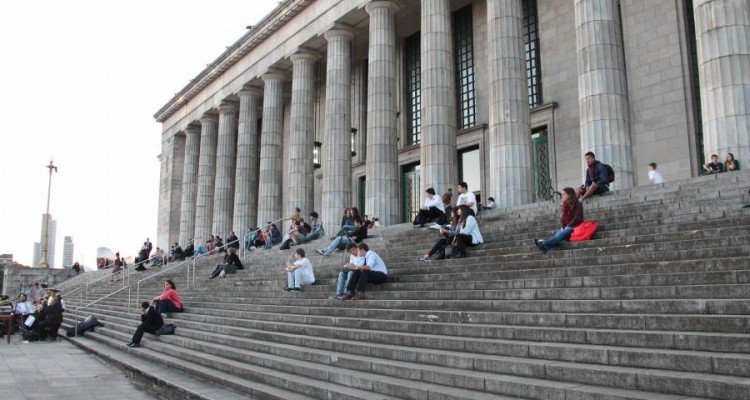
x=244, y=238
x=76, y=318
x=138, y=284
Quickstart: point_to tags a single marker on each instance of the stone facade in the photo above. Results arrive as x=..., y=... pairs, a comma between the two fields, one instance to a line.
x=620, y=78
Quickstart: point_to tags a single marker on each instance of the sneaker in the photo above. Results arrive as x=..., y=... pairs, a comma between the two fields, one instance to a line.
x=435, y=226
x=425, y=258
x=540, y=245
x=296, y=289
x=321, y=252
x=164, y=315
x=287, y=289
x=336, y=297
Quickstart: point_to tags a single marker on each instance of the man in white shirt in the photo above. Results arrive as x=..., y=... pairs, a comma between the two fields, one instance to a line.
x=466, y=197
x=433, y=208
x=373, y=271
x=346, y=273
x=654, y=177
x=299, y=273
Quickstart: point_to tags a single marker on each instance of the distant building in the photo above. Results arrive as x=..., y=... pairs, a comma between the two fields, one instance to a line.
x=6, y=260
x=68, y=248
x=50, y=246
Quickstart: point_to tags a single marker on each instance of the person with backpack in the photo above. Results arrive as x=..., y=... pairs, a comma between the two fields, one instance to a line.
x=151, y=321
x=598, y=178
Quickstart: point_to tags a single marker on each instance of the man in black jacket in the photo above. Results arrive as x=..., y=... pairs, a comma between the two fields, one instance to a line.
x=151, y=321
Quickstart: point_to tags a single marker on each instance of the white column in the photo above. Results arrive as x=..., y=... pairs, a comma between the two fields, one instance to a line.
x=271, y=142
x=337, y=160
x=204, y=202
x=511, y=173
x=438, y=148
x=302, y=134
x=189, y=183
x=226, y=162
x=381, y=199
x=722, y=30
x=602, y=88
x=246, y=175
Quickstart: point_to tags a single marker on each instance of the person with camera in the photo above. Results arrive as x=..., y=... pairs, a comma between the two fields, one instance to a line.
x=151, y=321
x=359, y=234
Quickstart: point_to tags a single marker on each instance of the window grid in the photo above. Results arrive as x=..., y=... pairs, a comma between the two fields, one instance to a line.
x=531, y=48
x=463, y=43
x=413, y=74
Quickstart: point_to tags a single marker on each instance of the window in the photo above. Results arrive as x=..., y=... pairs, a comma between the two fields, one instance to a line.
x=531, y=47
x=469, y=168
x=413, y=74
x=463, y=43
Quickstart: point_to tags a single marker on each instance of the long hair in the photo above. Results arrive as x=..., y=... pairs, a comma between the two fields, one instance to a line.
x=464, y=214
x=171, y=284
x=571, y=195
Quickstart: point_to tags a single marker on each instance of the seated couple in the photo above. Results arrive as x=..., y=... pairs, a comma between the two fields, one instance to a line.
x=357, y=236
x=302, y=232
x=231, y=264
x=364, y=266
x=463, y=231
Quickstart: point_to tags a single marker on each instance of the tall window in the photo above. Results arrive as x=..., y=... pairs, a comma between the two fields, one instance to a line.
x=463, y=43
x=694, y=78
x=531, y=47
x=413, y=76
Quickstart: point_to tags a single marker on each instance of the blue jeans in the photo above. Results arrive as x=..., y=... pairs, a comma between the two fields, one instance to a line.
x=559, y=236
x=344, y=277
x=166, y=306
x=340, y=240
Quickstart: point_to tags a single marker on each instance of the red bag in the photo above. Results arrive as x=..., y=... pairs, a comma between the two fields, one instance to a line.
x=584, y=231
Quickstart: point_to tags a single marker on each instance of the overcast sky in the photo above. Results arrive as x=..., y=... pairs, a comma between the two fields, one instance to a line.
x=80, y=81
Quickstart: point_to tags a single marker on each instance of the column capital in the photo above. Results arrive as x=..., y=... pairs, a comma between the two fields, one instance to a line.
x=253, y=91
x=228, y=107
x=382, y=4
x=192, y=129
x=305, y=54
x=209, y=118
x=339, y=30
x=274, y=74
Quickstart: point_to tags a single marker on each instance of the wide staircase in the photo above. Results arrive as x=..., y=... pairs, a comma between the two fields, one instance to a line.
x=656, y=306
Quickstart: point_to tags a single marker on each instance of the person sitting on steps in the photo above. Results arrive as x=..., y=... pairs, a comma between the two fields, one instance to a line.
x=359, y=234
x=151, y=321
x=447, y=234
x=345, y=275
x=571, y=216
x=299, y=273
x=597, y=178
x=468, y=232
x=433, y=208
x=169, y=301
x=231, y=264
x=373, y=271
x=714, y=167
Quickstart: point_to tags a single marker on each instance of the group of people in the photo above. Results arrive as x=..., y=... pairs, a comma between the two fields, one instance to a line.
x=716, y=166
x=154, y=312
x=39, y=311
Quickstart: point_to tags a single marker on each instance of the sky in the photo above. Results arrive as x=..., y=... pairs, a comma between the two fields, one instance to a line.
x=80, y=81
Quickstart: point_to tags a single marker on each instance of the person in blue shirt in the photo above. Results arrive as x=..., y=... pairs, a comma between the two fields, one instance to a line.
x=373, y=271
x=597, y=178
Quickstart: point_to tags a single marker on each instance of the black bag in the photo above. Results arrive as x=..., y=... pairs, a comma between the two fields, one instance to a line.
x=286, y=245
x=166, y=329
x=88, y=324
x=610, y=173
x=449, y=251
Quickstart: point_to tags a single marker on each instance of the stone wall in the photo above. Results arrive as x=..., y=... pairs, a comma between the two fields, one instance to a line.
x=15, y=278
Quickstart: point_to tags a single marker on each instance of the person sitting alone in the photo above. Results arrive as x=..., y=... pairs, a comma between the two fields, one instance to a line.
x=597, y=178
x=571, y=216
x=230, y=265
x=714, y=167
x=346, y=273
x=432, y=209
x=169, y=300
x=299, y=273
x=372, y=271
x=151, y=321
x=359, y=234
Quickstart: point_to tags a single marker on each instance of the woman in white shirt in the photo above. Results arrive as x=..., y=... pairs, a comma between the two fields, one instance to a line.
x=299, y=273
x=468, y=231
x=433, y=208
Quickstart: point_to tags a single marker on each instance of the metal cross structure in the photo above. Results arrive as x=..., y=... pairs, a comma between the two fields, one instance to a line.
x=43, y=263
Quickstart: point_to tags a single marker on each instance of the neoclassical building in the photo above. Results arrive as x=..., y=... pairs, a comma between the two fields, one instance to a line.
x=325, y=104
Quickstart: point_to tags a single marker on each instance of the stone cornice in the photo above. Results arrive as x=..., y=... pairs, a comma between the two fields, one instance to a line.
x=262, y=30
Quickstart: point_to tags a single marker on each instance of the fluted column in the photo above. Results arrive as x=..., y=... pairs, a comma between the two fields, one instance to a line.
x=204, y=202
x=271, y=142
x=189, y=183
x=722, y=30
x=246, y=174
x=337, y=160
x=381, y=199
x=511, y=173
x=602, y=88
x=438, y=149
x=226, y=163
x=302, y=134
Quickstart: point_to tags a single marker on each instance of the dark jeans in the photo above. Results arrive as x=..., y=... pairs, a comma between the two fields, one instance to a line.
x=217, y=270
x=141, y=329
x=439, y=245
x=461, y=242
x=428, y=215
x=361, y=278
x=166, y=306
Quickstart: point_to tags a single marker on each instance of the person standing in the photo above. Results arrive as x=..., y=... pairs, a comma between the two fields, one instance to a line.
x=654, y=177
x=151, y=321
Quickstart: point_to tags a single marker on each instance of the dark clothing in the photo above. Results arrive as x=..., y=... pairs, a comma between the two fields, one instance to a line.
x=735, y=166
x=360, y=278
x=359, y=234
x=231, y=263
x=572, y=217
x=188, y=251
x=178, y=254
x=166, y=306
x=428, y=215
x=232, y=241
x=597, y=173
x=461, y=242
x=715, y=167
x=48, y=320
x=151, y=321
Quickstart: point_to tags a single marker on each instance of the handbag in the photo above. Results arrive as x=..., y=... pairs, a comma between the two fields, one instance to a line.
x=167, y=329
x=449, y=251
x=584, y=231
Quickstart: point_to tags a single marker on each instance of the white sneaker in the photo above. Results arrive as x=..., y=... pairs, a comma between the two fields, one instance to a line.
x=435, y=226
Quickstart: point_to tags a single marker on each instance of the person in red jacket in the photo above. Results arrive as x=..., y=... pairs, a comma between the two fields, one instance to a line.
x=572, y=216
x=169, y=301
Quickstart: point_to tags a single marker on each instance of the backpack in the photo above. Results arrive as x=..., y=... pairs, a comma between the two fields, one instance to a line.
x=167, y=329
x=610, y=173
